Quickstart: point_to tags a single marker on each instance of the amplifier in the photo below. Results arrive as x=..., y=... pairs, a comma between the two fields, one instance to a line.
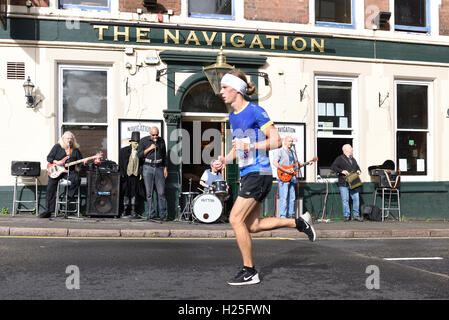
x=388, y=179
x=102, y=194
x=25, y=168
x=106, y=166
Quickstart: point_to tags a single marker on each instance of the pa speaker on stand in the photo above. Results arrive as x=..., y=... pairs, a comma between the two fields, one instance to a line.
x=103, y=193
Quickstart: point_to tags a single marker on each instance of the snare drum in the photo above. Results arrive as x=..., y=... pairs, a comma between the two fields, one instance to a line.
x=207, y=208
x=220, y=188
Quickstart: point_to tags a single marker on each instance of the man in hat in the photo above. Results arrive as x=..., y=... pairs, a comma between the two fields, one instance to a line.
x=130, y=175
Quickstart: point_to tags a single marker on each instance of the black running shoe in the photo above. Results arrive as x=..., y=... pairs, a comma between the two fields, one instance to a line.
x=303, y=226
x=244, y=277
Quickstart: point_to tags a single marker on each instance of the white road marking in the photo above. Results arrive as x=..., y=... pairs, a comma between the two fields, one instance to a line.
x=414, y=258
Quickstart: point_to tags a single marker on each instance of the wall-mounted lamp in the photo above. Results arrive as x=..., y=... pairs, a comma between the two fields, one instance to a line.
x=215, y=72
x=28, y=87
x=382, y=18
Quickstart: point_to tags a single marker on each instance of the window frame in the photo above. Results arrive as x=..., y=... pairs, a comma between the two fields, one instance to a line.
x=337, y=24
x=406, y=28
x=109, y=117
x=430, y=129
x=84, y=7
x=212, y=16
x=354, y=117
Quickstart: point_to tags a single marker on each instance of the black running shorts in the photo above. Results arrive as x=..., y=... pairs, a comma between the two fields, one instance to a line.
x=255, y=185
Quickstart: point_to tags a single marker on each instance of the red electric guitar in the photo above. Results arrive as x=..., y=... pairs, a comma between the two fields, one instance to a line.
x=284, y=176
x=55, y=171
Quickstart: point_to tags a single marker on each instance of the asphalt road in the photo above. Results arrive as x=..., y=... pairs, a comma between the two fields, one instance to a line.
x=197, y=269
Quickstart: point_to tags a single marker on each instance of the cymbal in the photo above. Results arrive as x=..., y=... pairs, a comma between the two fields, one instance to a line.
x=191, y=176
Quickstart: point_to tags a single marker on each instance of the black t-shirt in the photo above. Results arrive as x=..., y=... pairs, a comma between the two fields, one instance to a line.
x=58, y=153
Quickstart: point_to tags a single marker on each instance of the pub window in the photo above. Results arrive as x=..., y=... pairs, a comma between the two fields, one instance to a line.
x=85, y=5
x=221, y=9
x=335, y=116
x=334, y=13
x=412, y=133
x=412, y=15
x=83, y=106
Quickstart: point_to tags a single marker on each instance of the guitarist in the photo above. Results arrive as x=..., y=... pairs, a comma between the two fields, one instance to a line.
x=286, y=157
x=66, y=147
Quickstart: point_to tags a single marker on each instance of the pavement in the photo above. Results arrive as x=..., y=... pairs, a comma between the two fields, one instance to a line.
x=24, y=224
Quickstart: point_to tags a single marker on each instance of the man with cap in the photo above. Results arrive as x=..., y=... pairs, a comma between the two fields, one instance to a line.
x=130, y=175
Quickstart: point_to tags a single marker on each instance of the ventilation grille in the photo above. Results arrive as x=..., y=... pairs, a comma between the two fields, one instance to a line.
x=15, y=70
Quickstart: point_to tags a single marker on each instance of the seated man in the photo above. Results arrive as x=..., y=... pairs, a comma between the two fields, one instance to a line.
x=67, y=147
x=211, y=175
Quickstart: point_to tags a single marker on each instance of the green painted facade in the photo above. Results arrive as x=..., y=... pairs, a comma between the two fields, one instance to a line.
x=419, y=200
x=148, y=35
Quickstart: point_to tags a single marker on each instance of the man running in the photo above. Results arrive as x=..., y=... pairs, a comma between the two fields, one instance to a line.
x=253, y=135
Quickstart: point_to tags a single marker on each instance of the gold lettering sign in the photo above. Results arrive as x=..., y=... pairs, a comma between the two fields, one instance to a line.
x=168, y=34
x=121, y=33
x=239, y=43
x=141, y=33
x=256, y=42
x=208, y=38
x=100, y=31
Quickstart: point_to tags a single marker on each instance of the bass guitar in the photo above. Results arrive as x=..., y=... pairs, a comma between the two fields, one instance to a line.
x=54, y=170
x=284, y=176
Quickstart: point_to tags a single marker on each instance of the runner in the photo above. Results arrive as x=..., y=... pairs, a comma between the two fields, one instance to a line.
x=254, y=134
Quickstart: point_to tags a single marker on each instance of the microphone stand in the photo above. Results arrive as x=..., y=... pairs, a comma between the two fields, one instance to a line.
x=67, y=190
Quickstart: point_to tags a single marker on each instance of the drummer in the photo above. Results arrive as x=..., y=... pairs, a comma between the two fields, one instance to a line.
x=211, y=175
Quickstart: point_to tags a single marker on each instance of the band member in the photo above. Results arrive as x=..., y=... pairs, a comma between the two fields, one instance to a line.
x=286, y=157
x=130, y=175
x=343, y=165
x=153, y=152
x=253, y=135
x=211, y=175
x=66, y=147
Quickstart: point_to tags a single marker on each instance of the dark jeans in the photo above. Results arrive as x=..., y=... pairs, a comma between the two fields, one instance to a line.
x=52, y=186
x=153, y=176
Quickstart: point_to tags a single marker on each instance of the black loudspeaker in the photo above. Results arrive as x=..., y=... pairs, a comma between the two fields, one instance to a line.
x=103, y=193
x=26, y=168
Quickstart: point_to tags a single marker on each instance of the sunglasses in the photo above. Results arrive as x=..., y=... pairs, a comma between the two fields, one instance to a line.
x=154, y=135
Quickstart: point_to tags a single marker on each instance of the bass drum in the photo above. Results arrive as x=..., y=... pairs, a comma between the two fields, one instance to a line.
x=207, y=208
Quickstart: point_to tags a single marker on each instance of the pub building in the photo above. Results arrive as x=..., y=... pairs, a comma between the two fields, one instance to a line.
x=373, y=73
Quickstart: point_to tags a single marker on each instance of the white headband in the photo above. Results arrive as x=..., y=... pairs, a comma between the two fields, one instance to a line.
x=234, y=82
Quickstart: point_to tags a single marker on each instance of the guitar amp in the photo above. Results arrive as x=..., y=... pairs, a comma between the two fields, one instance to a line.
x=25, y=168
x=105, y=166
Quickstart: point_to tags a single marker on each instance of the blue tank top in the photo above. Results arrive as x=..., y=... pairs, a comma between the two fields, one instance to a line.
x=247, y=125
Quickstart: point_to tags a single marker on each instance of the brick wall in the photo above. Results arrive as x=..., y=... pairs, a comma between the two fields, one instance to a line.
x=35, y=3
x=372, y=7
x=162, y=6
x=444, y=18
x=288, y=11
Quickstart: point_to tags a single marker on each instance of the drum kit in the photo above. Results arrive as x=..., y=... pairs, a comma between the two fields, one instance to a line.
x=206, y=207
